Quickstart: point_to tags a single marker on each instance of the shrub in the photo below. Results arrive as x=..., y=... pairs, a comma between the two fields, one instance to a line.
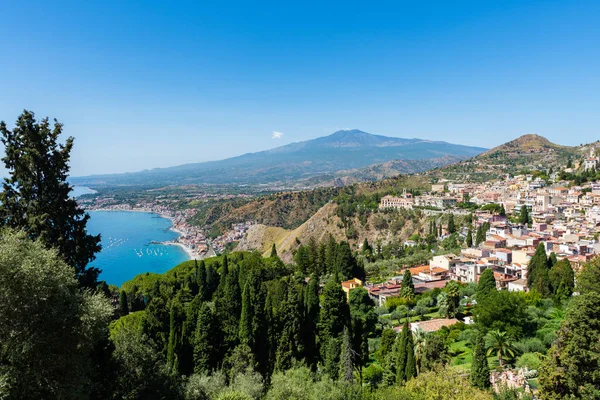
x=528, y=360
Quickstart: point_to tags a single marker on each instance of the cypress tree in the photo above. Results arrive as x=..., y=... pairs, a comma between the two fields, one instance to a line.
x=502, y=211
x=469, y=240
x=331, y=358
x=201, y=280
x=290, y=346
x=434, y=228
x=411, y=365
x=330, y=254
x=345, y=263
x=486, y=284
x=451, y=225
x=388, y=336
x=408, y=287
x=123, y=304
x=206, y=339
x=188, y=330
x=480, y=237
x=312, y=318
x=537, y=271
x=334, y=312
x=363, y=322
x=273, y=250
x=401, y=353
x=253, y=324
x=174, y=337
x=302, y=259
x=524, y=215
x=347, y=358
x=480, y=370
x=228, y=307
x=36, y=196
x=212, y=280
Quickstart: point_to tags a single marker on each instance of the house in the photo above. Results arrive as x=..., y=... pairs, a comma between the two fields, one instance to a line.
x=520, y=285
x=446, y=261
x=353, y=283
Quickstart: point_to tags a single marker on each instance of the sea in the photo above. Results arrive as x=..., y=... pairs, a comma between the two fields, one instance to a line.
x=127, y=244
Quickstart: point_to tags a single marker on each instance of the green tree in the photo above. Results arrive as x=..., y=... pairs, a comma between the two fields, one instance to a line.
x=345, y=263
x=452, y=291
x=408, y=287
x=206, y=339
x=273, y=250
x=588, y=279
x=36, y=196
x=572, y=367
x=480, y=370
x=302, y=259
x=363, y=323
x=123, y=304
x=290, y=347
x=331, y=357
x=500, y=343
x=480, y=236
x=561, y=279
x=502, y=310
x=312, y=313
x=524, y=215
x=537, y=272
x=411, y=365
x=347, y=358
x=401, y=353
x=174, y=345
x=140, y=372
x=469, y=240
x=435, y=353
x=486, y=284
x=334, y=315
x=388, y=337
x=451, y=225
x=48, y=327
x=253, y=323
x=228, y=307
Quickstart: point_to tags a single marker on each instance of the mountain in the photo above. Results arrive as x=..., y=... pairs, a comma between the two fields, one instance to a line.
x=525, y=153
x=342, y=150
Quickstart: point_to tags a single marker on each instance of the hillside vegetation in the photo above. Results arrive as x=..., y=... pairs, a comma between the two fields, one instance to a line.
x=526, y=153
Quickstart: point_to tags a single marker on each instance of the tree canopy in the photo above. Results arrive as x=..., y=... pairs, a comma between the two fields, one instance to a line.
x=37, y=198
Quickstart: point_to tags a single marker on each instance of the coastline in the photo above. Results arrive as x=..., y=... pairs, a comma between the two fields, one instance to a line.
x=192, y=255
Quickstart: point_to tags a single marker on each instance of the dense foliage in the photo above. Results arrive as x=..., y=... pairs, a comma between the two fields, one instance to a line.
x=36, y=197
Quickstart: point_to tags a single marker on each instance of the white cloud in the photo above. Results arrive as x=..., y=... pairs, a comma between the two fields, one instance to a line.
x=277, y=135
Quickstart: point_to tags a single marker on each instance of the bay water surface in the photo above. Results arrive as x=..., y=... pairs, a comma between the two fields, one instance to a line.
x=127, y=248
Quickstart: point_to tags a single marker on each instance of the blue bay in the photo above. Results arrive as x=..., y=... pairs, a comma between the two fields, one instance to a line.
x=126, y=244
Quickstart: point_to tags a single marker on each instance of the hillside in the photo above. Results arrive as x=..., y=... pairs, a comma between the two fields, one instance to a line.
x=526, y=153
x=289, y=210
x=340, y=151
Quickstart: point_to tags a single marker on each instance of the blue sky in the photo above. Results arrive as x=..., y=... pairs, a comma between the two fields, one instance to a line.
x=144, y=84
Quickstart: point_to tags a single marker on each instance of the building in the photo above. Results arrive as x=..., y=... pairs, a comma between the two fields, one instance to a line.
x=406, y=201
x=353, y=283
x=592, y=161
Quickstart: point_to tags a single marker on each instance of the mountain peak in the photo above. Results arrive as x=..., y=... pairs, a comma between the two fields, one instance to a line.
x=526, y=143
x=358, y=138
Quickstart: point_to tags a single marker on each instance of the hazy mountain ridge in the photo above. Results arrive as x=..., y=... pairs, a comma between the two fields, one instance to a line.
x=342, y=150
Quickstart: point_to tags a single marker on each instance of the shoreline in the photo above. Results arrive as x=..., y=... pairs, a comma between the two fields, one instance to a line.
x=192, y=255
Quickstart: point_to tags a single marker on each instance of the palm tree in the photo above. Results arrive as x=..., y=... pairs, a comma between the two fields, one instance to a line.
x=501, y=343
x=419, y=338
